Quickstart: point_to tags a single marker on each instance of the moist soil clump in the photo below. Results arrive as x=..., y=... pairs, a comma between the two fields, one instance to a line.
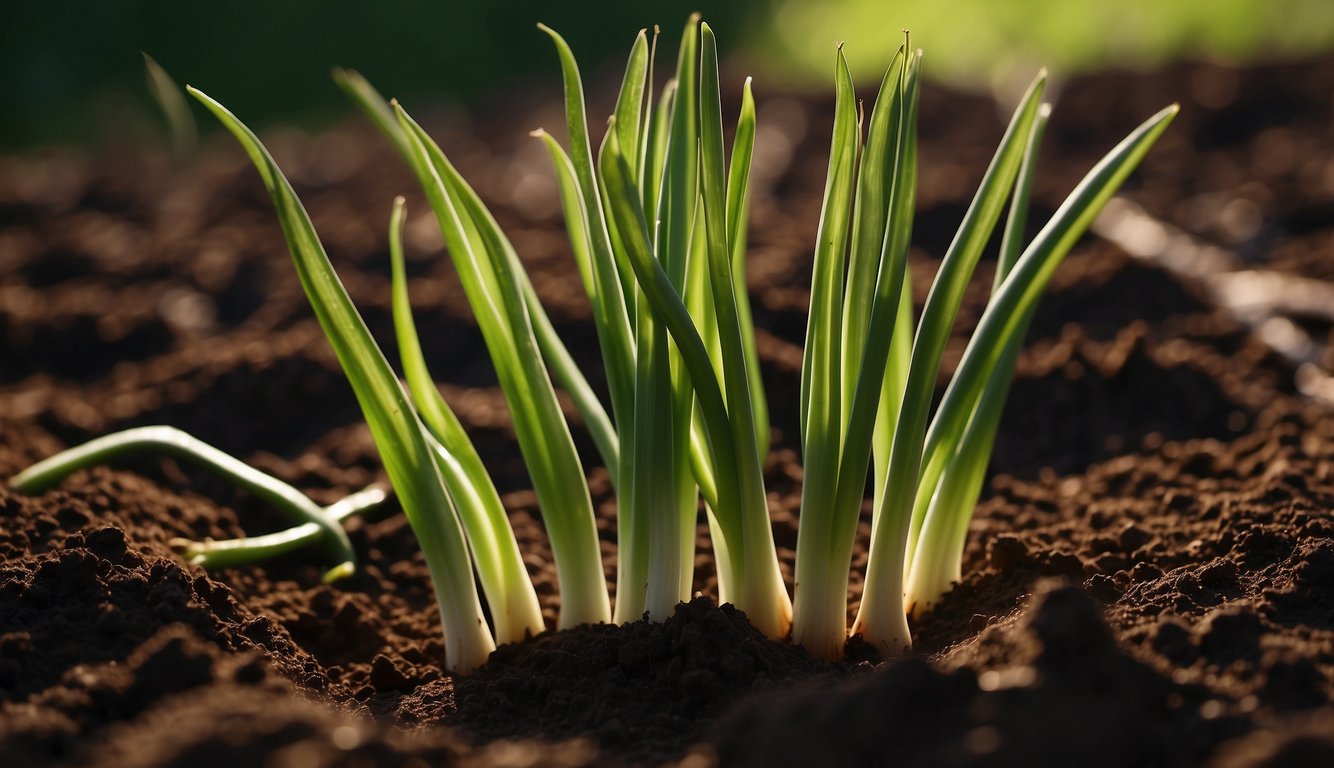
x=1149, y=579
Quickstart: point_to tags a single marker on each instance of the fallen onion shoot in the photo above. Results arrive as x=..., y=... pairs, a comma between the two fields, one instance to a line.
x=314, y=522
x=657, y=226
x=223, y=553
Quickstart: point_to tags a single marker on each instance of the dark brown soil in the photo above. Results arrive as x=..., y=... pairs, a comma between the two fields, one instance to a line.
x=1149, y=578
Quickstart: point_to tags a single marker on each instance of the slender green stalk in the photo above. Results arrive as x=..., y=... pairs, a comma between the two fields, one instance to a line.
x=630, y=355
x=509, y=591
x=1015, y=304
x=738, y=197
x=670, y=512
x=892, y=388
x=567, y=373
x=890, y=236
x=487, y=267
x=46, y=474
x=760, y=591
x=655, y=500
x=375, y=107
x=738, y=206
x=821, y=623
x=887, y=180
x=398, y=435
x=875, y=187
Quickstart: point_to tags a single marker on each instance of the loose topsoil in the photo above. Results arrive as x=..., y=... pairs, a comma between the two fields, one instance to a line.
x=1149, y=579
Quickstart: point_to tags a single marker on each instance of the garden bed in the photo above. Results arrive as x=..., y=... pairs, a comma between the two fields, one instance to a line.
x=1149, y=578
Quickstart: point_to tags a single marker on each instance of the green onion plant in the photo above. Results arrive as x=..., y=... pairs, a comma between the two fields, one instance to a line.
x=657, y=225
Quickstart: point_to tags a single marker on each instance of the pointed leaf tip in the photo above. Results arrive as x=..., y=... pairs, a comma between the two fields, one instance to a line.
x=339, y=572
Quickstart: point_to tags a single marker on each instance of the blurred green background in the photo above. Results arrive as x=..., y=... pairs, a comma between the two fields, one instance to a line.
x=976, y=43
x=72, y=70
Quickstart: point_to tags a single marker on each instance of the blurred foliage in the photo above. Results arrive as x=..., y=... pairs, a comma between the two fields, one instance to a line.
x=993, y=43
x=73, y=72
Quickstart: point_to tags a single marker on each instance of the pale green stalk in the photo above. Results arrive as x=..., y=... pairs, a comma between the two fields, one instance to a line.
x=660, y=457
x=509, y=591
x=887, y=181
x=738, y=206
x=486, y=264
x=400, y=438
x=872, y=229
x=820, y=623
x=875, y=185
x=671, y=515
x=758, y=584
x=738, y=199
x=630, y=355
x=655, y=487
x=892, y=389
x=699, y=299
